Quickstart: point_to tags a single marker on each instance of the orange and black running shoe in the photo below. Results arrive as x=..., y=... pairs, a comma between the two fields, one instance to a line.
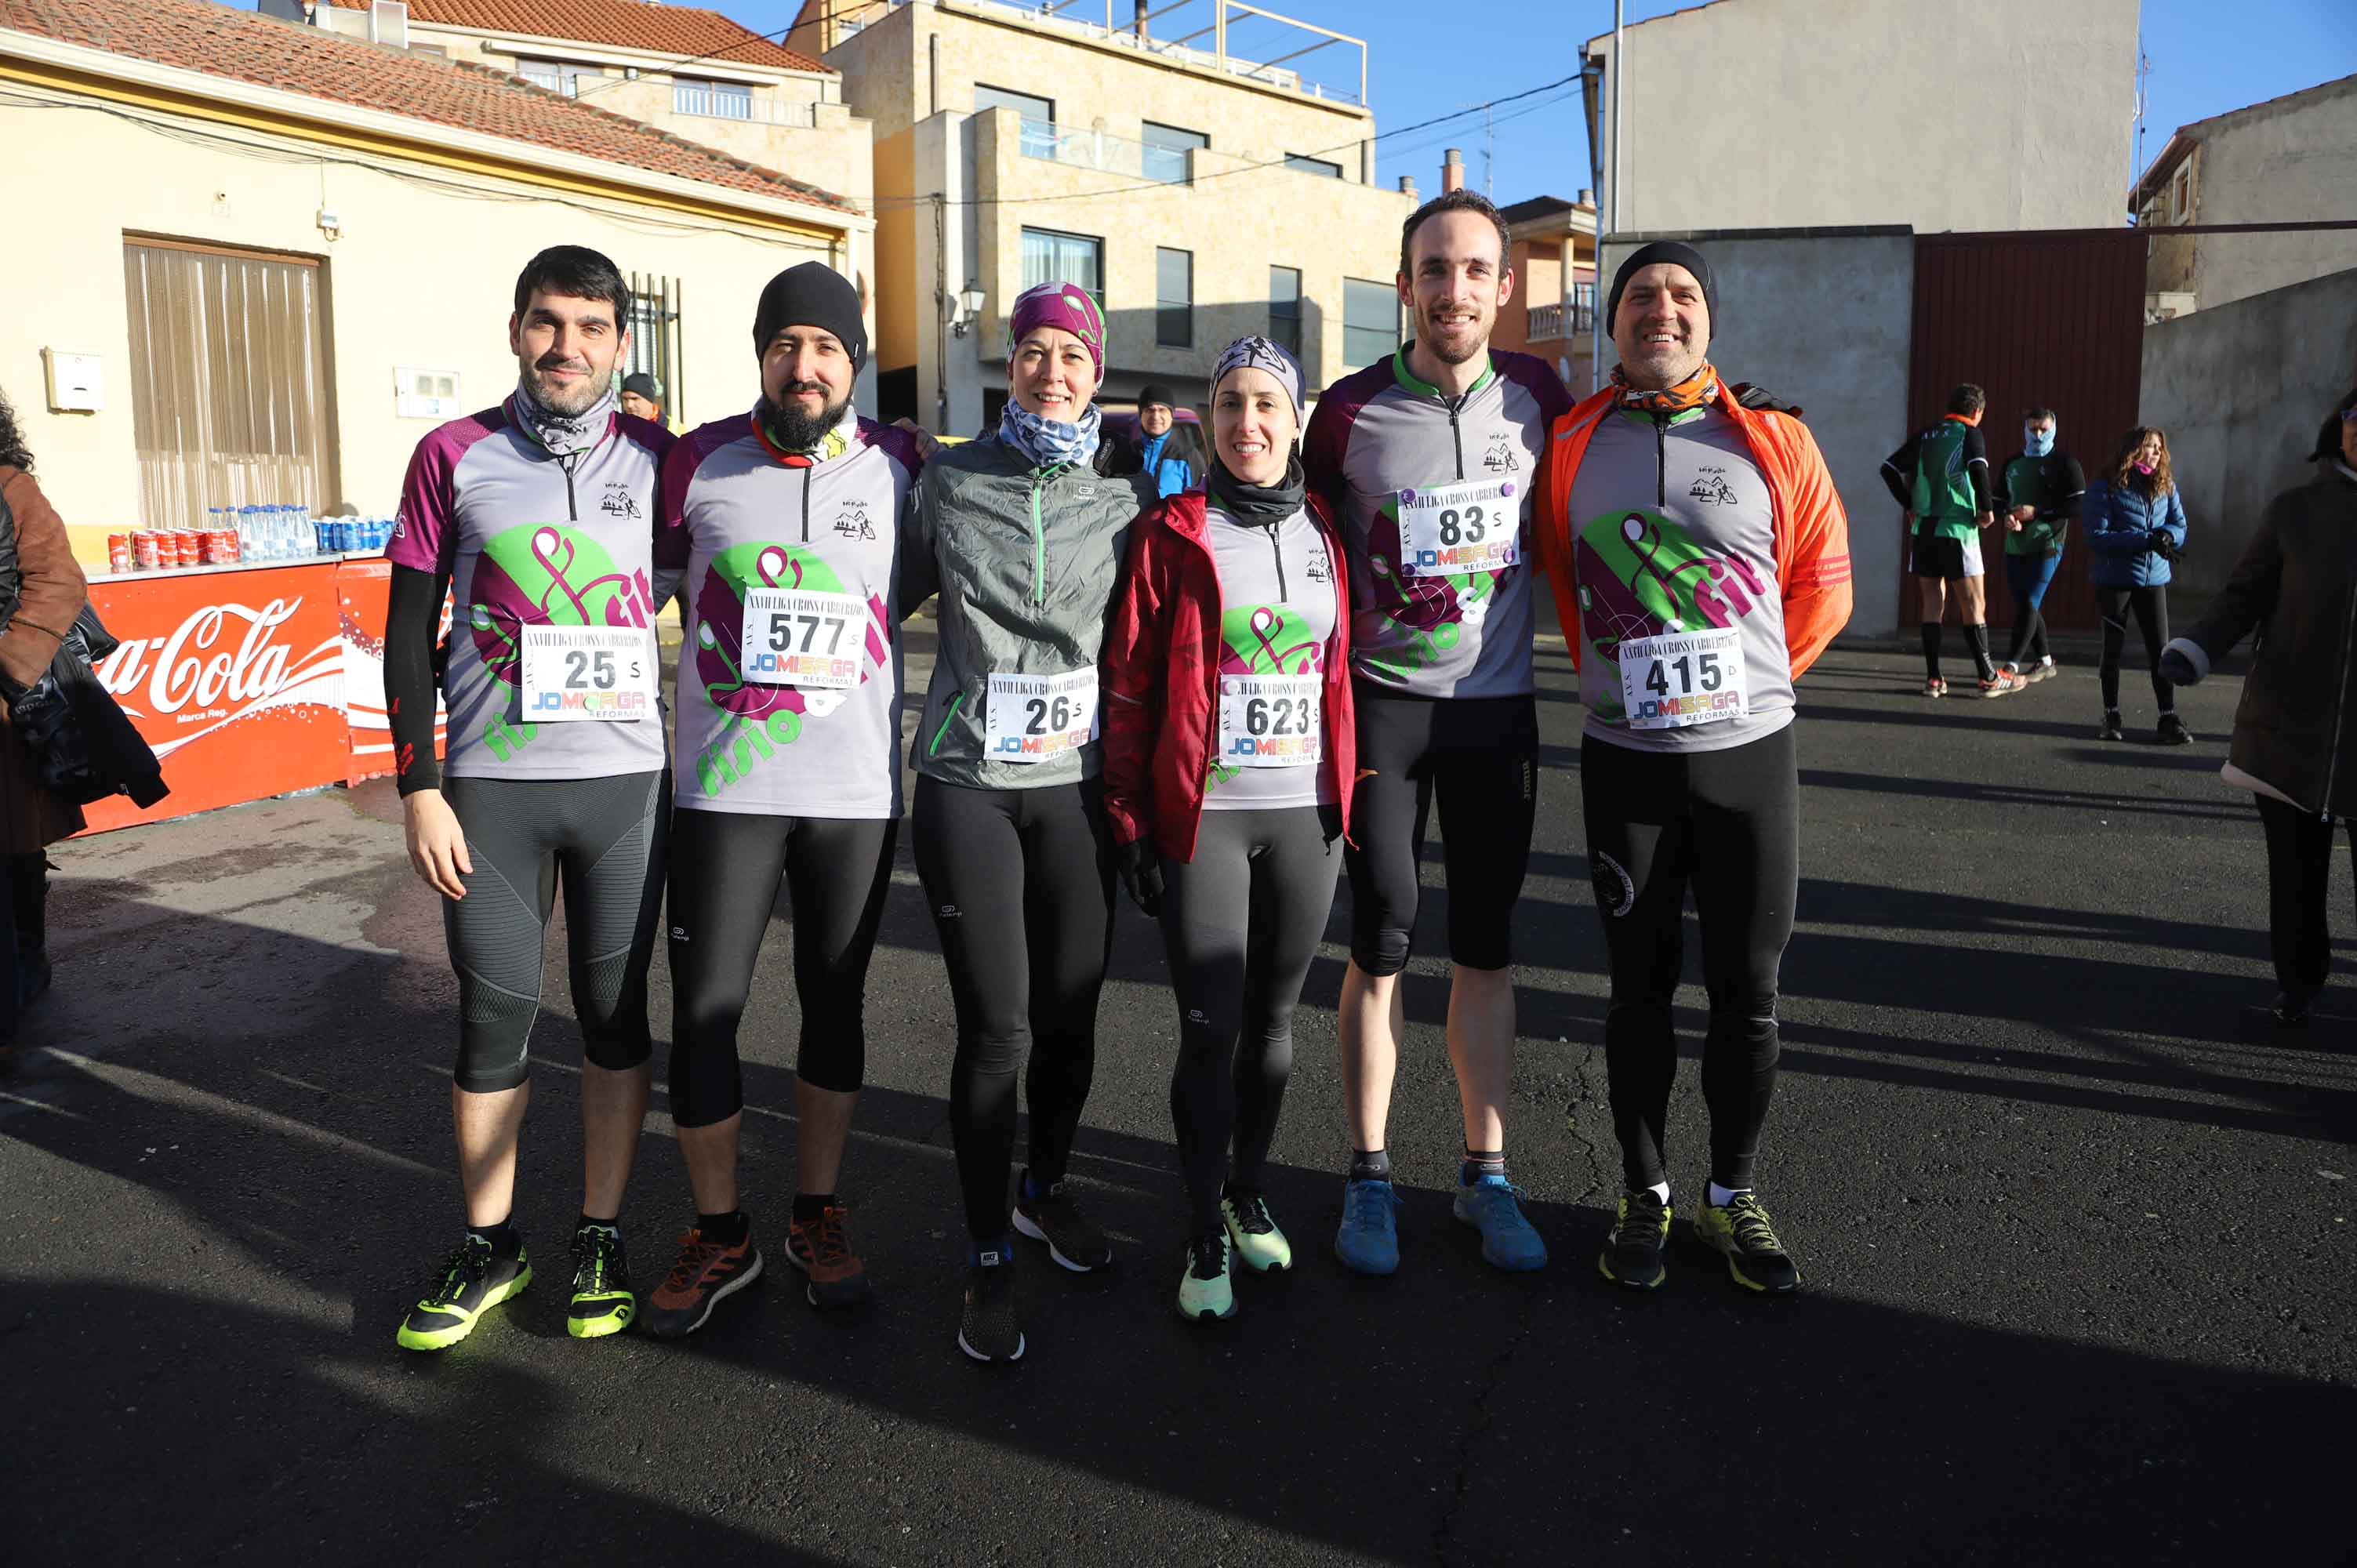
x=821, y=1248
x=706, y=1275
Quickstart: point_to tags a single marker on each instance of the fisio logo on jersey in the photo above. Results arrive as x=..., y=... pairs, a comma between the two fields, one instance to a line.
x=629, y=704
x=797, y=669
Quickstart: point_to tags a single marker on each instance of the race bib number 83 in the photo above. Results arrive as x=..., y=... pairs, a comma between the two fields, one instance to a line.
x=1682, y=678
x=587, y=673
x=1449, y=530
x=1030, y=718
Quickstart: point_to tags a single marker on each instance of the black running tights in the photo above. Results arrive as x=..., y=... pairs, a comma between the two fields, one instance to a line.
x=1240, y=922
x=2151, y=608
x=2299, y=865
x=1726, y=823
x=724, y=871
x=1020, y=883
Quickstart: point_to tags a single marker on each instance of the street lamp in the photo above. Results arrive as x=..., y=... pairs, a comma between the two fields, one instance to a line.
x=965, y=308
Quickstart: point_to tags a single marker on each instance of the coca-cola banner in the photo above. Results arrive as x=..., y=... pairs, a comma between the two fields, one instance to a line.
x=236, y=679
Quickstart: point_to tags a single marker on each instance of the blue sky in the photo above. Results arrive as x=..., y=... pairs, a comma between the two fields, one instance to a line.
x=1429, y=57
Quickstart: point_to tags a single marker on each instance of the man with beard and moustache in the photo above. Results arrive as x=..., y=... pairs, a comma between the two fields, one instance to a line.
x=1428, y=458
x=789, y=521
x=1700, y=562
x=539, y=513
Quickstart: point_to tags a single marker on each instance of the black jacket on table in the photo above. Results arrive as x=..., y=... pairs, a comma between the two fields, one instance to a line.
x=2296, y=729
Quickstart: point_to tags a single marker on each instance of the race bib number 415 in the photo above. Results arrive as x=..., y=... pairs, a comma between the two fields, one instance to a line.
x=1475, y=525
x=1030, y=718
x=587, y=673
x=1682, y=678
x=797, y=637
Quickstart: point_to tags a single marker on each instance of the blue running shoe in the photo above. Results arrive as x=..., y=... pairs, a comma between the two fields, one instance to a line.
x=1368, y=1243
x=1494, y=1207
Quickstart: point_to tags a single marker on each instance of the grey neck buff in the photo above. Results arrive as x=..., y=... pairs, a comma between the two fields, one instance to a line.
x=562, y=434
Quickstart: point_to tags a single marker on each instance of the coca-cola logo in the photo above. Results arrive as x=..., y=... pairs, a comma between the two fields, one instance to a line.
x=221, y=664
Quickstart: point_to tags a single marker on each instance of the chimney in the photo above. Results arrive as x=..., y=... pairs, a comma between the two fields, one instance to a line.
x=1452, y=171
x=1587, y=197
x=1407, y=185
x=1138, y=25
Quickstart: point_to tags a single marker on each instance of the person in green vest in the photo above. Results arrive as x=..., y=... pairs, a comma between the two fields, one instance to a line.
x=2039, y=494
x=1941, y=478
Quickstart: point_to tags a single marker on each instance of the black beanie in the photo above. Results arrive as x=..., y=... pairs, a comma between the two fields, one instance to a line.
x=811, y=295
x=1669, y=251
x=2328, y=435
x=1156, y=392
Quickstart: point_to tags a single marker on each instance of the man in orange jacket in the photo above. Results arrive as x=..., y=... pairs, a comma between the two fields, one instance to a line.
x=1700, y=561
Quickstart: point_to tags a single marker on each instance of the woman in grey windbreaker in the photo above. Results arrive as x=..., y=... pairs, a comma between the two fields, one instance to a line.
x=1024, y=541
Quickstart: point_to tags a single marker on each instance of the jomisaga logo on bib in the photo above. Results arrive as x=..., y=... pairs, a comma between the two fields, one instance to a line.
x=1641, y=575
x=542, y=573
x=764, y=719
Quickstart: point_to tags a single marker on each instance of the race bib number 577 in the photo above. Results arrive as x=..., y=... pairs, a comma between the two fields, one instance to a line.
x=799, y=636
x=587, y=673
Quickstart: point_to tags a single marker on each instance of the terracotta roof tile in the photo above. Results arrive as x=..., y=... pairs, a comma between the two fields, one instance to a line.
x=244, y=47
x=677, y=30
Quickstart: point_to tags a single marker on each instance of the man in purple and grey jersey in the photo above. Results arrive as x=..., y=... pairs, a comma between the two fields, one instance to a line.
x=539, y=513
x=1428, y=458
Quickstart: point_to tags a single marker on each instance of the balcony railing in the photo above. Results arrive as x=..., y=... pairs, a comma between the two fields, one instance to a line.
x=723, y=105
x=1547, y=321
x=1100, y=151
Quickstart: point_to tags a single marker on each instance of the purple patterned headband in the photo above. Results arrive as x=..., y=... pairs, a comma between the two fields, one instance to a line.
x=1061, y=305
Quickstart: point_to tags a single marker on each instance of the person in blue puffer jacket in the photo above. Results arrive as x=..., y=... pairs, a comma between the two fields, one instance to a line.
x=2135, y=528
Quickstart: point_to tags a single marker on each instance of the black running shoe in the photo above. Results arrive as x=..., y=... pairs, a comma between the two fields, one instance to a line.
x=2173, y=732
x=1740, y=1229
x=2111, y=730
x=602, y=1301
x=1632, y=1251
x=987, y=1330
x=472, y=1281
x=2290, y=1008
x=1054, y=1217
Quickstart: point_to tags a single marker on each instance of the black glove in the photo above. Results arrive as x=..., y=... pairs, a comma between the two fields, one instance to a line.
x=2163, y=543
x=1141, y=875
x=2178, y=670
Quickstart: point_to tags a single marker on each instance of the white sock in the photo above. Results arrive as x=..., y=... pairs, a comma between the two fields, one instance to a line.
x=1720, y=1196
x=2047, y=662
x=1661, y=1189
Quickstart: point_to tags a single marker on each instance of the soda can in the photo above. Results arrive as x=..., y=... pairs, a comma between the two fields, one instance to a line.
x=341, y=535
x=225, y=549
x=192, y=546
x=118, y=552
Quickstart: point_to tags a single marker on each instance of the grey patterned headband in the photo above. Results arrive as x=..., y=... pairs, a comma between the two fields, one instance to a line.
x=1260, y=355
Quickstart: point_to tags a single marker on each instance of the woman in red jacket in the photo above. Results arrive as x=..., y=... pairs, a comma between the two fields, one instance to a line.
x=1228, y=763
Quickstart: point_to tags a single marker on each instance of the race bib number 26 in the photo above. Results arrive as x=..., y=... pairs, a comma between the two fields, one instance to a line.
x=1682, y=678
x=1475, y=525
x=1030, y=718
x=588, y=674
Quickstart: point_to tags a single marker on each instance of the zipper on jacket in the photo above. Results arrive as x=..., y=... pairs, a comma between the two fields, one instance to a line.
x=1661, y=463
x=1456, y=433
x=1039, y=477
x=947, y=716
x=566, y=462
x=806, y=474
x=1277, y=553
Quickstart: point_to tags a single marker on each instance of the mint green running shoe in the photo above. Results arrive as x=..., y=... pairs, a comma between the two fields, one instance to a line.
x=1253, y=1228
x=1207, y=1291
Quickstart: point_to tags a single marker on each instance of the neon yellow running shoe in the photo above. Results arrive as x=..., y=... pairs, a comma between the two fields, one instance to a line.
x=1206, y=1291
x=472, y=1282
x=1740, y=1229
x=1258, y=1243
x=602, y=1302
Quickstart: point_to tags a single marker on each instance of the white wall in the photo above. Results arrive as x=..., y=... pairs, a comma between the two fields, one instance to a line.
x=422, y=275
x=1998, y=114
x=2240, y=389
x=2288, y=163
x=1827, y=322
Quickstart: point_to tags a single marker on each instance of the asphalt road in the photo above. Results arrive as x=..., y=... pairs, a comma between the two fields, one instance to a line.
x=2075, y=1224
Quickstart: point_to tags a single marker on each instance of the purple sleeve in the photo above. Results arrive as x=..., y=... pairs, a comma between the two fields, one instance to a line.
x=425, y=532
x=1328, y=440
x=898, y=443
x=1535, y=376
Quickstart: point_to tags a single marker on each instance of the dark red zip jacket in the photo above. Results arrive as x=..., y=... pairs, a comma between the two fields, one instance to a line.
x=1162, y=672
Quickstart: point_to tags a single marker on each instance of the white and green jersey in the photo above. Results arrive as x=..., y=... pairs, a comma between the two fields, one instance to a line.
x=1433, y=495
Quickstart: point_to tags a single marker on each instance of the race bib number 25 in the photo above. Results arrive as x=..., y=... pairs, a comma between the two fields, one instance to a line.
x=1682, y=678
x=1475, y=525
x=588, y=674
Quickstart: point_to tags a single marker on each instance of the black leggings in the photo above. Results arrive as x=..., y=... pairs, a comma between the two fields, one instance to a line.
x=604, y=838
x=1728, y=824
x=2151, y=607
x=724, y=871
x=1480, y=755
x=2299, y=865
x=1020, y=883
x=1240, y=922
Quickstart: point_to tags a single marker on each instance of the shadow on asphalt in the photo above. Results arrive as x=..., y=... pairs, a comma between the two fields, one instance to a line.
x=188, y=1415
